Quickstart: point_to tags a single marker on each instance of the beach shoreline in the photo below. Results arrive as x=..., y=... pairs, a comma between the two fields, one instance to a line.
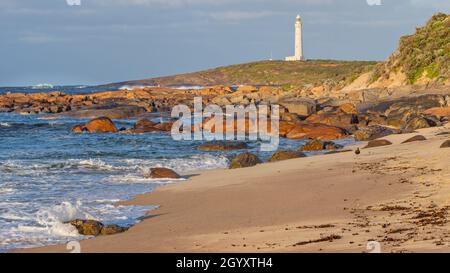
x=326, y=203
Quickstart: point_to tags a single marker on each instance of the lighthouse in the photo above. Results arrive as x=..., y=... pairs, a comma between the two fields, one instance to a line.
x=298, y=41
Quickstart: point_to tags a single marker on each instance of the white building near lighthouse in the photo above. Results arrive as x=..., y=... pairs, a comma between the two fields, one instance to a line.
x=298, y=41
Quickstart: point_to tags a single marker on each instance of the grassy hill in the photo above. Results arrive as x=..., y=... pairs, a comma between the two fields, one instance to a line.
x=421, y=58
x=425, y=54
x=312, y=72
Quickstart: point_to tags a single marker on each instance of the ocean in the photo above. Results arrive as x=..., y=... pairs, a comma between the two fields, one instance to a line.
x=49, y=175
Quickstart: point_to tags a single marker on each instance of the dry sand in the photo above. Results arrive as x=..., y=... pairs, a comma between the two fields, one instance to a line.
x=397, y=195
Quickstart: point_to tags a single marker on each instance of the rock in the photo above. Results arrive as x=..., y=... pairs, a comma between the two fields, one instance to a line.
x=340, y=120
x=98, y=125
x=415, y=138
x=144, y=123
x=413, y=105
x=244, y=161
x=299, y=106
x=112, y=229
x=373, y=132
x=318, y=145
x=397, y=121
x=378, y=143
x=418, y=123
x=285, y=155
x=315, y=131
x=87, y=227
x=291, y=117
x=143, y=126
x=439, y=111
x=109, y=111
x=348, y=108
x=221, y=101
x=164, y=127
x=162, y=173
x=446, y=144
x=223, y=146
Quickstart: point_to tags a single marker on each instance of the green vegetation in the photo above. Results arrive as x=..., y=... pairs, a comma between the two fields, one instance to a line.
x=426, y=53
x=288, y=75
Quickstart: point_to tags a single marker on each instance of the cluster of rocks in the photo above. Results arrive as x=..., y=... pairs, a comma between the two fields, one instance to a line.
x=317, y=117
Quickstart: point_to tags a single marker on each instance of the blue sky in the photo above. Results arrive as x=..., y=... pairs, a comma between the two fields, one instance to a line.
x=102, y=41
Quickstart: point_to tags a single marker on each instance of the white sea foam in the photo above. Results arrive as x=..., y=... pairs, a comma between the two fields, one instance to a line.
x=188, y=87
x=181, y=165
x=5, y=124
x=6, y=190
x=52, y=219
x=132, y=87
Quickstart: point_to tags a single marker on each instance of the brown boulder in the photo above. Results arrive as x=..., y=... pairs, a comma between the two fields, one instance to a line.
x=373, y=132
x=340, y=120
x=112, y=229
x=143, y=126
x=164, y=127
x=318, y=145
x=418, y=123
x=315, y=131
x=87, y=227
x=244, y=161
x=299, y=106
x=378, y=143
x=439, y=111
x=162, y=173
x=223, y=146
x=285, y=155
x=98, y=125
x=415, y=138
x=446, y=144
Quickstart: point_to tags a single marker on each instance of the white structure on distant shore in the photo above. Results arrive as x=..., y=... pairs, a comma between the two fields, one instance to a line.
x=298, y=41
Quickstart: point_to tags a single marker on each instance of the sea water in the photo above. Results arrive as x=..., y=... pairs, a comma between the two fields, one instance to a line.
x=49, y=175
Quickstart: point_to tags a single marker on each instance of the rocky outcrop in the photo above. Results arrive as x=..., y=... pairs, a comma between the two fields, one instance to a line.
x=162, y=173
x=244, y=161
x=95, y=228
x=377, y=143
x=98, y=125
x=223, y=146
x=318, y=145
x=286, y=155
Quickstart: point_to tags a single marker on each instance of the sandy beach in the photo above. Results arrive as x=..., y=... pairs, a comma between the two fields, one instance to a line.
x=396, y=195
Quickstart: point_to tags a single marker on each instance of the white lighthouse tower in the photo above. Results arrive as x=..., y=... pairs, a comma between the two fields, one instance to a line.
x=298, y=41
